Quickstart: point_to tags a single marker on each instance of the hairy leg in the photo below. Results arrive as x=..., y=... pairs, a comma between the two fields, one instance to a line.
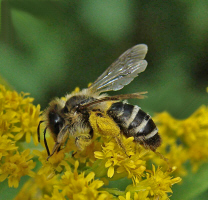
x=82, y=141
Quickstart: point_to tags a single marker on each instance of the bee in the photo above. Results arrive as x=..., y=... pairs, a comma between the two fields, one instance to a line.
x=74, y=115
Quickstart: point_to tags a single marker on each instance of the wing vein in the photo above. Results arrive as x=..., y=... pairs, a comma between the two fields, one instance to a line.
x=122, y=71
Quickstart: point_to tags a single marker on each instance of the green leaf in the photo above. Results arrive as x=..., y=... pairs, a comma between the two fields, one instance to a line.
x=193, y=184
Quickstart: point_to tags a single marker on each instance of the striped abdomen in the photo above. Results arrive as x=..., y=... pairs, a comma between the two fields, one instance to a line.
x=135, y=122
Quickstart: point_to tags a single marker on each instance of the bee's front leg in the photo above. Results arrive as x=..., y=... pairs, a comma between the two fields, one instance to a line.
x=61, y=138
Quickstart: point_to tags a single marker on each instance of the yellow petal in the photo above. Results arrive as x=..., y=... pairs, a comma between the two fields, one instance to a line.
x=28, y=137
x=111, y=171
x=90, y=176
x=98, y=154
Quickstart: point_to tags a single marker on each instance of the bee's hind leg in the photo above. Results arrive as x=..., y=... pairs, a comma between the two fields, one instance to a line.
x=119, y=141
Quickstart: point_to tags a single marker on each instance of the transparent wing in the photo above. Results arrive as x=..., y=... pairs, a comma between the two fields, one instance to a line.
x=122, y=71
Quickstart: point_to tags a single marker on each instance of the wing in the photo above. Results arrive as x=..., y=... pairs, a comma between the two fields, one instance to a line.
x=122, y=71
x=120, y=97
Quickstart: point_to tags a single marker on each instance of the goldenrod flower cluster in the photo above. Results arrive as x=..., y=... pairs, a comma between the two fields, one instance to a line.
x=96, y=172
x=184, y=140
x=18, y=122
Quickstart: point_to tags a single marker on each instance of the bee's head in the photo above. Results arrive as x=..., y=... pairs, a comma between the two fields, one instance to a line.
x=54, y=118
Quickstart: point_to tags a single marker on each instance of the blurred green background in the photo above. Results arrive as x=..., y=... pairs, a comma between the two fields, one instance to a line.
x=49, y=47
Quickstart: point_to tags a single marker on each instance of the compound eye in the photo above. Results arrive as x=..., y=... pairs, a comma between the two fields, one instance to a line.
x=65, y=109
x=55, y=122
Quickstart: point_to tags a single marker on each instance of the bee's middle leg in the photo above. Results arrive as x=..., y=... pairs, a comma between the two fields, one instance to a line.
x=83, y=140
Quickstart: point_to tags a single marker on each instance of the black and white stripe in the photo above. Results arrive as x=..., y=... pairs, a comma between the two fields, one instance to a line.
x=135, y=122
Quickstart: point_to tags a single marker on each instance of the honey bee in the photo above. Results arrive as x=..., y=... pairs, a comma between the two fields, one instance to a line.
x=73, y=116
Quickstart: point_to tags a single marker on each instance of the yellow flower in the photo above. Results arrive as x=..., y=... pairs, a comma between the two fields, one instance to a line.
x=56, y=164
x=29, y=119
x=56, y=195
x=194, y=131
x=79, y=186
x=142, y=195
x=37, y=187
x=16, y=166
x=8, y=123
x=116, y=159
x=184, y=140
x=12, y=100
x=6, y=146
x=19, y=116
x=157, y=183
x=128, y=197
